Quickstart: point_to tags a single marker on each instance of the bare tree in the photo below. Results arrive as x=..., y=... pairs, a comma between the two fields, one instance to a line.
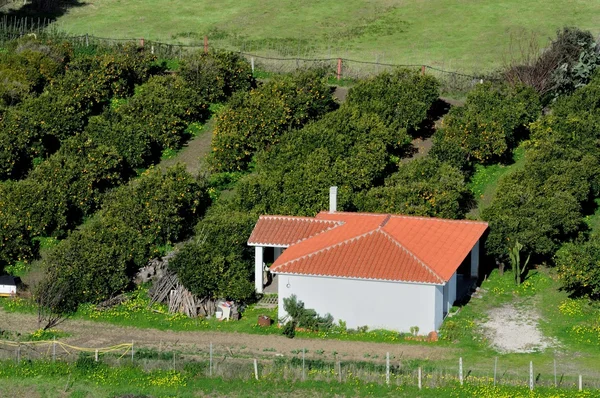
x=51, y=297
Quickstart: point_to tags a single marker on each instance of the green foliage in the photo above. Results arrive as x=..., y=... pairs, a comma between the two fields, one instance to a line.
x=218, y=263
x=154, y=119
x=258, y=119
x=56, y=196
x=99, y=259
x=289, y=329
x=401, y=98
x=347, y=148
x=542, y=205
x=578, y=266
x=305, y=318
x=39, y=124
x=578, y=58
x=423, y=187
x=216, y=75
x=491, y=123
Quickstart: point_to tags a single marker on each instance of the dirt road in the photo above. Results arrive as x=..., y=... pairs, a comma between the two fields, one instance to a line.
x=96, y=334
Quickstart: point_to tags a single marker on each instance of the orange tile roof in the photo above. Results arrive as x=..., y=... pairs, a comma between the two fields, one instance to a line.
x=373, y=246
x=286, y=231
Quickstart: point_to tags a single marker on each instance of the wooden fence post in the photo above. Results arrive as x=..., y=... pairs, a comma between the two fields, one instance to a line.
x=339, y=69
x=580, y=383
x=255, y=369
x=142, y=42
x=54, y=350
x=422, y=70
x=460, y=371
x=210, y=360
x=420, y=383
x=96, y=355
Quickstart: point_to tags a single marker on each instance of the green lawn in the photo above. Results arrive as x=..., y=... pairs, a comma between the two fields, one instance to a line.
x=466, y=35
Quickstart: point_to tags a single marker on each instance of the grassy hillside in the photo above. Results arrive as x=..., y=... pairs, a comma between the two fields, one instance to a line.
x=467, y=35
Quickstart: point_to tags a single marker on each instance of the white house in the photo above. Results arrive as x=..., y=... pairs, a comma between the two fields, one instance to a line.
x=8, y=286
x=384, y=271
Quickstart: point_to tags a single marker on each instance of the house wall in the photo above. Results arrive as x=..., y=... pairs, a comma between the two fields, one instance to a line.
x=377, y=304
x=8, y=289
x=450, y=293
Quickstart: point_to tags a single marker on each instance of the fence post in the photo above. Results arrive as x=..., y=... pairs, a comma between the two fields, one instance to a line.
x=531, y=375
x=205, y=44
x=420, y=384
x=387, y=368
x=422, y=70
x=142, y=42
x=54, y=350
x=555, y=383
x=339, y=69
x=19, y=354
x=460, y=371
x=339, y=371
x=87, y=40
x=96, y=355
x=252, y=63
x=495, y=369
x=132, y=351
x=303, y=373
x=580, y=383
x=255, y=369
x=210, y=361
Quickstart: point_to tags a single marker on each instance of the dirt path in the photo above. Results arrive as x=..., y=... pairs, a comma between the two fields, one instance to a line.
x=96, y=334
x=198, y=147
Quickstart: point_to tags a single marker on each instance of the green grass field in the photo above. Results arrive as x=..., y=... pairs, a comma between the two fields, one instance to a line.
x=464, y=35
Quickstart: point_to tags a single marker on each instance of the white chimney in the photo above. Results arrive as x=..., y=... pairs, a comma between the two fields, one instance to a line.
x=332, y=199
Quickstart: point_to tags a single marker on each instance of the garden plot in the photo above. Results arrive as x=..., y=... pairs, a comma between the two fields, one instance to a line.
x=512, y=329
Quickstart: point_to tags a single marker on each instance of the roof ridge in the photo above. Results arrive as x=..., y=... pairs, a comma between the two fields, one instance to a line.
x=394, y=240
x=337, y=224
x=439, y=219
x=356, y=237
x=298, y=218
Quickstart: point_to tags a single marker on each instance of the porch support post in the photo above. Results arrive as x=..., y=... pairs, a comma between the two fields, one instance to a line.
x=258, y=268
x=475, y=261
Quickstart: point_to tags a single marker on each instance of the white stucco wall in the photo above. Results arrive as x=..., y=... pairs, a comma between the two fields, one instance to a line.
x=377, y=304
x=8, y=289
x=450, y=293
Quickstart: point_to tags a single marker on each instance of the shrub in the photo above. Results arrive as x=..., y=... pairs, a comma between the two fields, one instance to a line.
x=216, y=75
x=257, y=119
x=492, y=121
x=578, y=267
x=423, y=187
x=305, y=317
x=401, y=98
x=289, y=329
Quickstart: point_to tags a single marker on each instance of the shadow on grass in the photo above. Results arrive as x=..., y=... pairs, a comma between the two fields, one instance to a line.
x=44, y=9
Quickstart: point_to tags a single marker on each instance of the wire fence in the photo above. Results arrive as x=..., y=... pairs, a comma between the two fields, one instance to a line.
x=265, y=55
x=220, y=361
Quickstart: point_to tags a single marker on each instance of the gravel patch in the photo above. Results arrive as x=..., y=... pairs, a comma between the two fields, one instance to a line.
x=511, y=329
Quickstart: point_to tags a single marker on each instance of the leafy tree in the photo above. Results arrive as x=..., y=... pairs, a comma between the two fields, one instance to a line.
x=218, y=263
x=216, y=75
x=578, y=265
x=402, y=98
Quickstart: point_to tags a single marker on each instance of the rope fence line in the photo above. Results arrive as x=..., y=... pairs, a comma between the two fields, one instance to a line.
x=219, y=361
